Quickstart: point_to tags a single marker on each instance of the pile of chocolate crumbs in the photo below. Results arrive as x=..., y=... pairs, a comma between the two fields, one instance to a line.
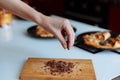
x=58, y=67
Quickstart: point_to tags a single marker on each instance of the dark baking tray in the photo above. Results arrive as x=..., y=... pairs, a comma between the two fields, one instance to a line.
x=79, y=42
x=32, y=32
x=116, y=78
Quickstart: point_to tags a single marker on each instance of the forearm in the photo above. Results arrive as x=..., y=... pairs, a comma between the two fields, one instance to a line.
x=23, y=10
x=58, y=26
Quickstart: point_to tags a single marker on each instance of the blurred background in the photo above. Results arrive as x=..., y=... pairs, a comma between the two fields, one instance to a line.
x=102, y=13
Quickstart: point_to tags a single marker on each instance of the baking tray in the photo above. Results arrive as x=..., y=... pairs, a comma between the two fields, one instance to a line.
x=116, y=78
x=79, y=42
x=32, y=32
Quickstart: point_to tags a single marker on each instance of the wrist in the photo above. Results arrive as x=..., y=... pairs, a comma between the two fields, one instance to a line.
x=40, y=18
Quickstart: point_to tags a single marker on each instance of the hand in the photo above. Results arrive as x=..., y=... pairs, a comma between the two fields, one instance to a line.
x=60, y=28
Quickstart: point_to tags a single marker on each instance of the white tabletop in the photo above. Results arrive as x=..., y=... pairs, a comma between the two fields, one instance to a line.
x=15, y=50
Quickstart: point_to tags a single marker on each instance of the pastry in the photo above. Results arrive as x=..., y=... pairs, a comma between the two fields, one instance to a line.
x=40, y=31
x=94, y=39
x=111, y=43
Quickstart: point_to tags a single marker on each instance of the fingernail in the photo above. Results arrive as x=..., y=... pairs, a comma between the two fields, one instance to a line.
x=68, y=48
x=65, y=47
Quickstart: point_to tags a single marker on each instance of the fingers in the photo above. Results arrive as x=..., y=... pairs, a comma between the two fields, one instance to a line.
x=67, y=30
x=70, y=34
x=62, y=28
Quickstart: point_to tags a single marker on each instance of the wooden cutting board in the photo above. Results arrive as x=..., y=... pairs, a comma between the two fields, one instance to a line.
x=50, y=69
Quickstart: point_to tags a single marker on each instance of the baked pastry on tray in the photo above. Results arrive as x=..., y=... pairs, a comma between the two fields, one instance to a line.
x=94, y=39
x=111, y=43
x=40, y=31
x=102, y=40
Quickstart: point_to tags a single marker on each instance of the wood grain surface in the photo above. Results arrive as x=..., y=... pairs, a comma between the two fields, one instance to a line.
x=34, y=69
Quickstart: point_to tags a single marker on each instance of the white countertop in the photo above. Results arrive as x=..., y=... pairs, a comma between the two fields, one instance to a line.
x=14, y=51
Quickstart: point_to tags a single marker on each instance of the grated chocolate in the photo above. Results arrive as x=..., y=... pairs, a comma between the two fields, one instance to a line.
x=58, y=67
